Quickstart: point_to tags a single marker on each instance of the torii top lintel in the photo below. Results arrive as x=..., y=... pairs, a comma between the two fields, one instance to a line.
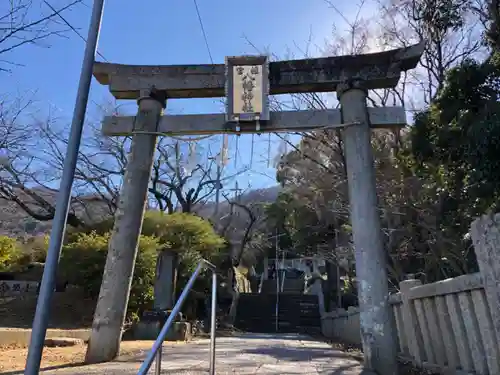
x=378, y=70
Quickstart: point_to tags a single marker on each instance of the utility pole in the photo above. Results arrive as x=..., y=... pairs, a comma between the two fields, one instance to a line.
x=217, y=190
x=222, y=160
x=237, y=190
x=219, y=160
x=377, y=331
x=47, y=286
x=112, y=304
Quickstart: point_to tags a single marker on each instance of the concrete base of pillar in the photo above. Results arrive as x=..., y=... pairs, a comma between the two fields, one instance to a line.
x=180, y=331
x=151, y=323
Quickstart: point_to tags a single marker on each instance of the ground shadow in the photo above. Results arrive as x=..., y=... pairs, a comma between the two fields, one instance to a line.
x=297, y=354
x=48, y=368
x=281, y=336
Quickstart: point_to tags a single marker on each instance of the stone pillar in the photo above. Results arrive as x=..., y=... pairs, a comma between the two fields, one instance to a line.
x=165, y=280
x=332, y=282
x=317, y=289
x=105, y=338
x=485, y=233
x=377, y=330
x=266, y=267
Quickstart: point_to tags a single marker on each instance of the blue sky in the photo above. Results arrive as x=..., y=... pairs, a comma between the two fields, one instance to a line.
x=168, y=32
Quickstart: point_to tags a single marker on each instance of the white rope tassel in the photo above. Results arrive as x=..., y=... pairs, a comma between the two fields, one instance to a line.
x=269, y=151
x=225, y=150
x=192, y=158
x=251, y=151
x=282, y=148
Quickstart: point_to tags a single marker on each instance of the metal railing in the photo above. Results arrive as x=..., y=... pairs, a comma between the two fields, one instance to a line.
x=156, y=350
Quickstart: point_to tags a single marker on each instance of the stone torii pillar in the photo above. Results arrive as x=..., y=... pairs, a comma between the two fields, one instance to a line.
x=109, y=316
x=377, y=332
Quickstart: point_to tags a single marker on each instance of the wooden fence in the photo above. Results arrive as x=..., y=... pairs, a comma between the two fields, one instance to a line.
x=444, y=326
x=451, y=326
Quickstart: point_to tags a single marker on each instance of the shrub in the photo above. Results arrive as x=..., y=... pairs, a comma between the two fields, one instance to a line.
x=83, y=261
x=183, y=232
x=191, y=236
x=9, y=251
x=101, y=227
x=37, y=247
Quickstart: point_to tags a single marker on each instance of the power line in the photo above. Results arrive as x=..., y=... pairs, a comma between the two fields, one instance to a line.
x=203, y=31
x=71, y=27
x=77, y=33
x=205, y=38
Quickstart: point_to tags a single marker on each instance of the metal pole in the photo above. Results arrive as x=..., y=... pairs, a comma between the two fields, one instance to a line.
x=41, y=319
x=339, y=287
x=146, y=365
x=213, y=323
x=377, y=331
x=276, y=322
x=158, y=361
x=284, y=273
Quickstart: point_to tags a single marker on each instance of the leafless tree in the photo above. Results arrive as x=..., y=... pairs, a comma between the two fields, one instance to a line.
x=451, y=32
x=29, y=22
x=182, y=179
x=178, y=180
x=314, y=170
x=239, y=227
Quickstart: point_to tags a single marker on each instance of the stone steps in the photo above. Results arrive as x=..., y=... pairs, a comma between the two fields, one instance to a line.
x=295, y=286
x=297, y=313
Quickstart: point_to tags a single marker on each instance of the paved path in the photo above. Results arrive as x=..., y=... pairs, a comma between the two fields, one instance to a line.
x=258, y=354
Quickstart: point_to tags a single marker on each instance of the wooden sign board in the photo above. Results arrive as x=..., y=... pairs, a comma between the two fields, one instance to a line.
x=247, y=89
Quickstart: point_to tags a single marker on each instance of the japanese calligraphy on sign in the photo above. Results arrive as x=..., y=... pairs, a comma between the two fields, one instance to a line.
x=13, y=287
x=247, y=88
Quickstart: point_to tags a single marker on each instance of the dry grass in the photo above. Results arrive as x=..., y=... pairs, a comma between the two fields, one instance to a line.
x=14, y=359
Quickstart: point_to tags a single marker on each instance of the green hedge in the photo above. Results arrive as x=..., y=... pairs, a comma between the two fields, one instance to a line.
x=82, y=264
x=84, y=253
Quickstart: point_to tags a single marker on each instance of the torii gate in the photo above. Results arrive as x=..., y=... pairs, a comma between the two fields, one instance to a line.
x=248, y=112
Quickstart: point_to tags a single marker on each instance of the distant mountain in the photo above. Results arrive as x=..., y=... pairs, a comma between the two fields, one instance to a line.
x=14, y=221
x=252, y=197
x=239, y=219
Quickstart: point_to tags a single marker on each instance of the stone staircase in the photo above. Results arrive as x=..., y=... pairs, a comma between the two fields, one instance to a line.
x=297, y=313
x=289, y=286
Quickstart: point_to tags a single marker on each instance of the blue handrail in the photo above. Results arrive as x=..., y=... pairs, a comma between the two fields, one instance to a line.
x=157, y=346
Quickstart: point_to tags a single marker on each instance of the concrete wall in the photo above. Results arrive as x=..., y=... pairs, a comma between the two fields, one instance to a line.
x=451, y=326
x=21, y=337
x=342, y=325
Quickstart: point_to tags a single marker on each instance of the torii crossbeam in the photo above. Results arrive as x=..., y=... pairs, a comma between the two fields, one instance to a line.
x=378, y=70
